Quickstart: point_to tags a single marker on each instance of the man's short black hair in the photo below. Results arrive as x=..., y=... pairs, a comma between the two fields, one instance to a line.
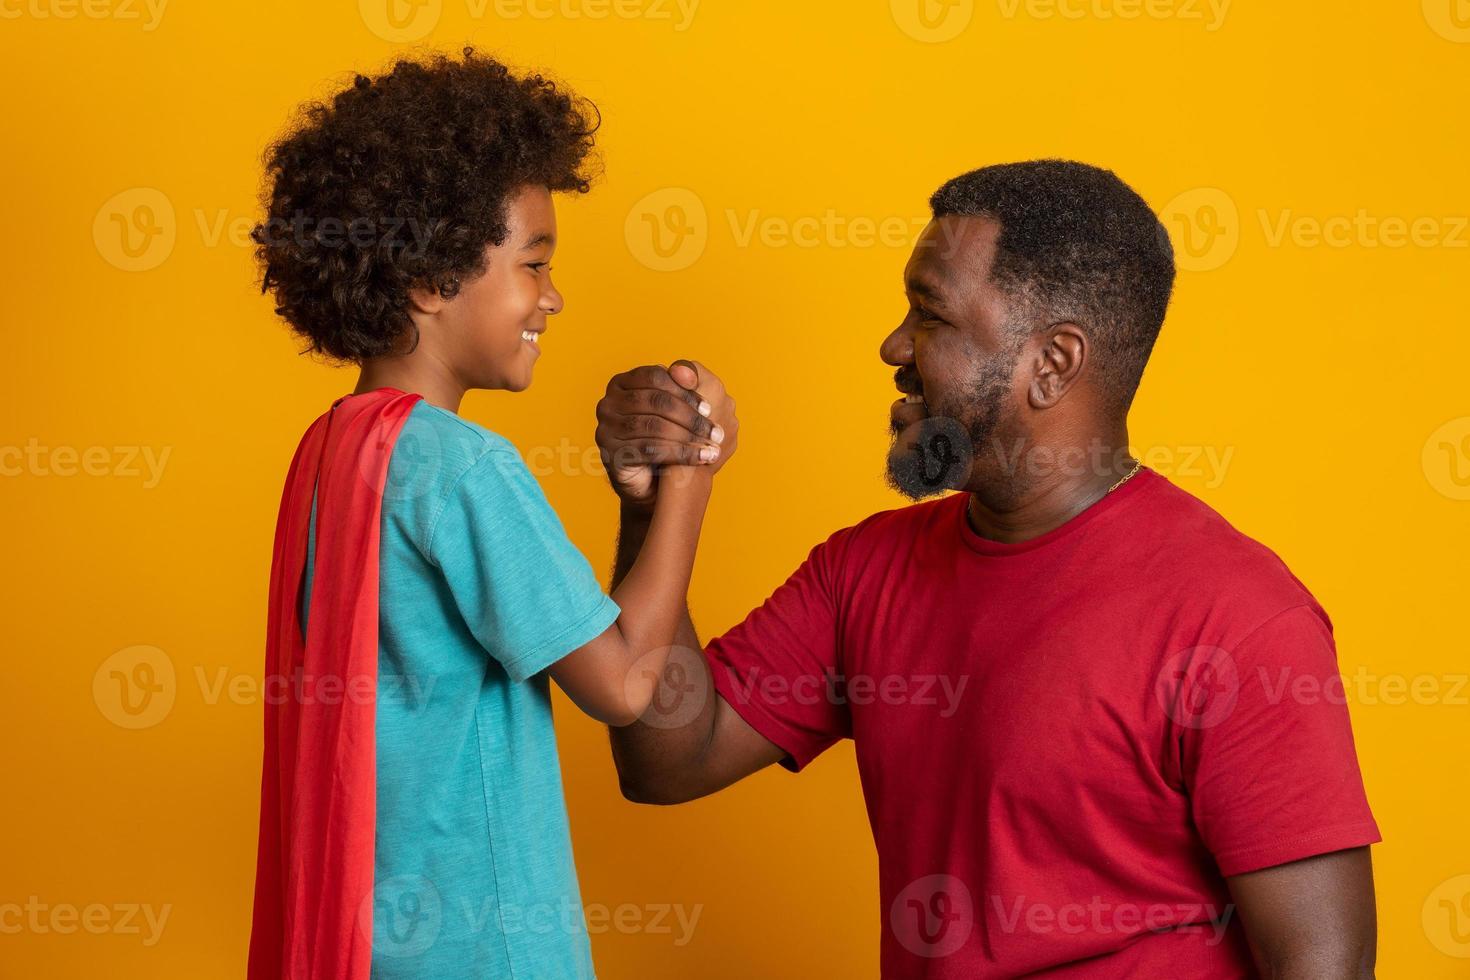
x=401, y=181
x=1078, y=244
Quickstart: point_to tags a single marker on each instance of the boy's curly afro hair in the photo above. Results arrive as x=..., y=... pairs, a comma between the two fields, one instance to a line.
x=402, y=182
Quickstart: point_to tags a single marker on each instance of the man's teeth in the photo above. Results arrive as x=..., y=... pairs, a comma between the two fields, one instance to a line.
x=529, y=335
x=913, y=399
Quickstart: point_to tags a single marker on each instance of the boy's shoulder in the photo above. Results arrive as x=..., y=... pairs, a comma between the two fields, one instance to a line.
x=453, y=435
x=435, y=450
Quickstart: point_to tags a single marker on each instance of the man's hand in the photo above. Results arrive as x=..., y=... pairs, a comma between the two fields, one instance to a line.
x=652, y=417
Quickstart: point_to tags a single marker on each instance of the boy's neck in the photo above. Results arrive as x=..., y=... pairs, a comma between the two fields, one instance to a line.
x=416, y=375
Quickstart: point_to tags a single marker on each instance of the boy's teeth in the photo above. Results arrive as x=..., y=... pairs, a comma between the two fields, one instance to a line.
x=529, y=335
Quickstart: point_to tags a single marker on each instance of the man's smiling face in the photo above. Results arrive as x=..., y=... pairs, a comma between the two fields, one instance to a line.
x=956, y=352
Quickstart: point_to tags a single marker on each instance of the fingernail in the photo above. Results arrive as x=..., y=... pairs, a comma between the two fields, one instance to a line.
x=704, y=409
x=717, y=435
x=709, y=454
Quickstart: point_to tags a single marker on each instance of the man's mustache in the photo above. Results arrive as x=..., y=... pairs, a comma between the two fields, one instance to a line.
x=907, y=380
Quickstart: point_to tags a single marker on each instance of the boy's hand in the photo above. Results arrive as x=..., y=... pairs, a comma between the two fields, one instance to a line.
x=653, y=416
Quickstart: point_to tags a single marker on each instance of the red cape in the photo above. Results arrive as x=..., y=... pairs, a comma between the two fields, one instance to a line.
x=318, y=791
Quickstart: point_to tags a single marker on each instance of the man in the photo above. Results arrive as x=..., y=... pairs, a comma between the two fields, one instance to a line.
x=1069, y=685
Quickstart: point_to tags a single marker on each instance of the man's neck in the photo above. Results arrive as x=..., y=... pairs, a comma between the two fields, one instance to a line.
x=415, y=373
x=1021, y=505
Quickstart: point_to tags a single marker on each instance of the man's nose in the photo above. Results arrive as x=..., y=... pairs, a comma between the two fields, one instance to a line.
x=898, y=347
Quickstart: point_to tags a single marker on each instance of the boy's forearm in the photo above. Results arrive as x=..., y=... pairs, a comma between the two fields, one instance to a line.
x=651, y=580
x=633, y=527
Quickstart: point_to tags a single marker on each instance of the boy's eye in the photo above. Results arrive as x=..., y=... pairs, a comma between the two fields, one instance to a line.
x=538, y=266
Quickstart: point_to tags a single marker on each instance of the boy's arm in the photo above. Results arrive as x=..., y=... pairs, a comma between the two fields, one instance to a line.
x=613, y=677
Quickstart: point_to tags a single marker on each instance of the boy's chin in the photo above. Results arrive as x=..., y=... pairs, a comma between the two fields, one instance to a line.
x=516, y=377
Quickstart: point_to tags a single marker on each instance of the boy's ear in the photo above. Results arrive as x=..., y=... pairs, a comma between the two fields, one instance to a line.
x=427, y=301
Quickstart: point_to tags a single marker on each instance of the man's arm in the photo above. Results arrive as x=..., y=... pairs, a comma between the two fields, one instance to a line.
x=1276, y=796
x=1312, y=919
x=689, y=742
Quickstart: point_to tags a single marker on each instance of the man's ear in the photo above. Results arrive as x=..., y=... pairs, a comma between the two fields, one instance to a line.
x=1063, y=352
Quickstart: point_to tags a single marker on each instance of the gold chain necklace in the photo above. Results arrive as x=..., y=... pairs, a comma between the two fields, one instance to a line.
x=1137, y=465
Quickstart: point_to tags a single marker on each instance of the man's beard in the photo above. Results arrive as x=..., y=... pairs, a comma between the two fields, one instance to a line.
x=939, y=453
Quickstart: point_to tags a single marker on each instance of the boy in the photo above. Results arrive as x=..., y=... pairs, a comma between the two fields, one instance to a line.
x=412, y=819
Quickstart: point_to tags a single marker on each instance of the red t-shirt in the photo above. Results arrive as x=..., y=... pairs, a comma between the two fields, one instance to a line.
x=1065, y=744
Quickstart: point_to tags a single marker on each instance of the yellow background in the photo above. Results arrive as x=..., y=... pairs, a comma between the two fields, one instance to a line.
x=1325, y=370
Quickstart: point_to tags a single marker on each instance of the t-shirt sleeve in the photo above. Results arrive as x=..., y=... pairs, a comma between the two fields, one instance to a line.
x=776, y=667
x=524, y=590
x=1275, y=778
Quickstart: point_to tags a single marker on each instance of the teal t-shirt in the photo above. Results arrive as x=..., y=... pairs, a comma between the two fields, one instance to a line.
x=480, y=591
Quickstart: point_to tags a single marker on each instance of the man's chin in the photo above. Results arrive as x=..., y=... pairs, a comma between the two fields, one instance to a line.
x=902, y=479
x=929, y=457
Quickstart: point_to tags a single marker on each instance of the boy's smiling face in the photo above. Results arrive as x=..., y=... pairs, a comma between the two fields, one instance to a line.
x=491, y=329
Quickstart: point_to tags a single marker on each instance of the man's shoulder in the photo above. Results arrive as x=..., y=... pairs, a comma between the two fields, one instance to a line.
x=895, y=527
x=1196, y=553
x=896, y=518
